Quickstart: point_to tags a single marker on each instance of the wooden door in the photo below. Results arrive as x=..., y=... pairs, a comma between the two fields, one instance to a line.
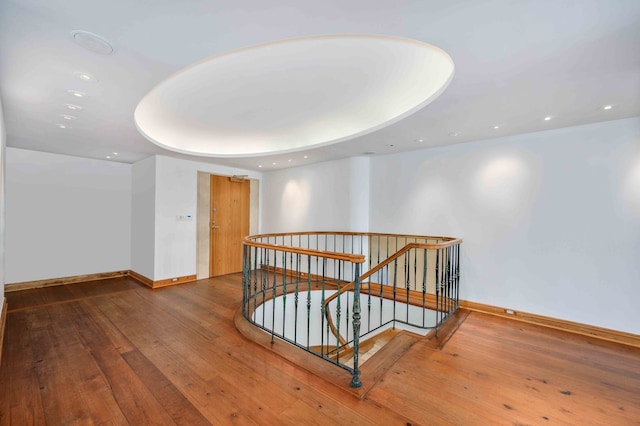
x=229, y=224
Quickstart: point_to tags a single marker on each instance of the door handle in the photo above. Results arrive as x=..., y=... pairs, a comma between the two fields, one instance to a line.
x=214, y=227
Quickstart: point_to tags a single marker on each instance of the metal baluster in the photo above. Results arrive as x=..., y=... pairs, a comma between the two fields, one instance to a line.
x=273, y=299
x=457, y=275
x=437, y=290
x=309, y=301
x=244, y=281
x=445, y=267
x=449, y=279
x=254, y=250
x=369, y=305
x=338, y=314
x=263, y=282
x=415, y=267
x=295, y=301
x=284, y=290
x=323, y=309
x=424, y=287
x=395, y=287
x=347, y=315
x=407, y=279
x=382, y=274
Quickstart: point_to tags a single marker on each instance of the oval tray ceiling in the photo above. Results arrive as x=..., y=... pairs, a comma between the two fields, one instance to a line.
x=292, y=95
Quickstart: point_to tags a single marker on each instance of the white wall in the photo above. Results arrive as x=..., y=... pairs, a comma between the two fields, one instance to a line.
x=177, y=194
x=550, y=220
x=143, y=216
x=329, y=196
x=3, y=138
x=65, y=216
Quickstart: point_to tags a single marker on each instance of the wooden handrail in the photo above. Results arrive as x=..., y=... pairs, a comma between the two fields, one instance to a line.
x=363, y=234
x=387, y=261
x=354, y=258
x=375, y=269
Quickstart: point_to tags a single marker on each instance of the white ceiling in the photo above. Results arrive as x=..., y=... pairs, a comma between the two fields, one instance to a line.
x=516, y=62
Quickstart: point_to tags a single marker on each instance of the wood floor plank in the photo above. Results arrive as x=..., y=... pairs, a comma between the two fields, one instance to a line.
x=156, y=345
x=97, y=288
x=228, y=353
x=116, y=352
x=117, y=339
x=492, y=374
x=172, y=400
x=20, y=402
x=134, y=399
x=73, y=389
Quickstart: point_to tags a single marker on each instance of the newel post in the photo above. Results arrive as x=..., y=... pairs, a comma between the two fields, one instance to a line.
x=355, y=381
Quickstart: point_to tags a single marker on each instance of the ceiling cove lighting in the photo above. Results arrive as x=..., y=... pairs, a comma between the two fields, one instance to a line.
x=288, y=95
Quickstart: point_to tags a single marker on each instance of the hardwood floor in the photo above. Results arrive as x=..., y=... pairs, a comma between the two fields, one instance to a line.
x=116, y=352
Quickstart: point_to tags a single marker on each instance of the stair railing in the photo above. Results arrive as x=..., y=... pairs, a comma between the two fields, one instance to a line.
x=324, y=291
x=413, y=283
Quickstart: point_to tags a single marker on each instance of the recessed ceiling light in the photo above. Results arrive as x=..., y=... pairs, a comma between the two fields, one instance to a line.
x=62, y=126
x=306, y=156
x=496, y=127
x=390, y=145
x=85, y=77
x=108, y=157
x=67, y=117
x=273, y=164
x=115, y=153
x=547, y=118
x=607, y=107
x=259, y=166
x=76, y=93
x=92, y=42
x=289, y=160
x=73, y=107
x=454, y=134
x=419, y=140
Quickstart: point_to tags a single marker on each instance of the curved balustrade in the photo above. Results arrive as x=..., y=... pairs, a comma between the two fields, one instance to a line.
x=328, y=292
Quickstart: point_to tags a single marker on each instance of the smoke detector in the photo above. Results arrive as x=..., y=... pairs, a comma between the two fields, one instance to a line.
x=92, y=42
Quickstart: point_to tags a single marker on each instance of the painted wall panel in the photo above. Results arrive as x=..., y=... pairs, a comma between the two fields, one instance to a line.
x=3, y=143
x=143, y=216
x=329, y=196
x=550, y=220
x=176, y=195
x=65, y=216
